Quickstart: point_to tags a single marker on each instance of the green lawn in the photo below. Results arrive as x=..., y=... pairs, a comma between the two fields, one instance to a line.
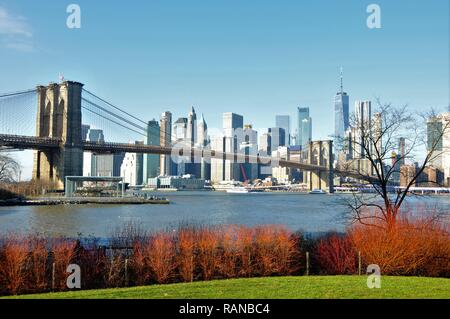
x=276, y=287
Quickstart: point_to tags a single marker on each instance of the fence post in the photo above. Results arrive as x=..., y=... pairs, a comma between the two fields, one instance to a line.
x=307, y=263
x=53, y=276
x=126, y=272
x=359, y=263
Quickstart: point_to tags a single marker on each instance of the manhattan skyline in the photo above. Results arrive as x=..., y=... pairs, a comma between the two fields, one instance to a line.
x=255, y=60
x=230, y=58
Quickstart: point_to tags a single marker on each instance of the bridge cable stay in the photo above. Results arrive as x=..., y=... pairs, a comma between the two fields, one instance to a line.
x=126, y=117
x=115, y=107
x=114, y=122
x=18, y=113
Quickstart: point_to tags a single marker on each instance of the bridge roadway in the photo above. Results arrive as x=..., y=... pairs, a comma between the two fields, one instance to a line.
x=43, y=143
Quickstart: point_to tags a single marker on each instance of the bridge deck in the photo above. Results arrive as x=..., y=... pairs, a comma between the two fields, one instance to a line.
x=38, y=143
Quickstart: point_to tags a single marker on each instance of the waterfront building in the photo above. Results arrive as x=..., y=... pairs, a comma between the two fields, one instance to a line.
x=166, y=141
x=185, y=182
x=438, y=143
x=151, y=164
x=284, y=121
x=429, y=177
x=132, y=168
x=341, y=116
x=304, y=127
x=104, y=165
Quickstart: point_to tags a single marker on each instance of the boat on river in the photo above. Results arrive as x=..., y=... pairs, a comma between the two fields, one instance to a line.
x=318, y=192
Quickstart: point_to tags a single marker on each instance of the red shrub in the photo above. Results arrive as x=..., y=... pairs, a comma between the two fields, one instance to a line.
x=336, y=255
x=63, y=251
x=245, y=251
x=139, y=264
x=207, y=252
x=38, y=265
x=186, y=253
x=229, y=252
x=417, y=247
x=161, y=256
x=275, y=249
x=13, y=263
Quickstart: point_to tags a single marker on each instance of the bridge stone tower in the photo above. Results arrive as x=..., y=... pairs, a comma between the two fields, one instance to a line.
x=59, y=117
x=321, y=153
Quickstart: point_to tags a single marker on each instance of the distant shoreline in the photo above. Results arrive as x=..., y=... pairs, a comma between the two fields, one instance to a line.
x=83, y=201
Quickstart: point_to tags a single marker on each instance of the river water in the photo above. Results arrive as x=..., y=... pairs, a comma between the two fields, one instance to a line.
x=308, y=213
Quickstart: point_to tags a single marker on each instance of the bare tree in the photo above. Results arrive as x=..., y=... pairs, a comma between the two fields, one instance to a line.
x=371, y=154
x=9, y=169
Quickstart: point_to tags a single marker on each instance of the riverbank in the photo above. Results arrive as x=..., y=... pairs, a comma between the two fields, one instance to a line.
x=83, y=201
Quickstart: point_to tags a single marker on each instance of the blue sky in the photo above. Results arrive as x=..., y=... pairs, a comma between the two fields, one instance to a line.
x=256, y=58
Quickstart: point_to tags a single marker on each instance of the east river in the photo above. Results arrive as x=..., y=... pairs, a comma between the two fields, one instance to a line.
x=308, y=213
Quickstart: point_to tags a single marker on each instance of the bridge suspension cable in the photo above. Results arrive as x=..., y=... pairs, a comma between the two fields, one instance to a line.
x=113, y=121
x=113, y=114
x=124, y=119
x=115, y=107
x=18, y=112
x=17, y=93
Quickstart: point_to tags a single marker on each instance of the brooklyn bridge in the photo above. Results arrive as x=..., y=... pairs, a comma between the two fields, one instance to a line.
x=49, y=120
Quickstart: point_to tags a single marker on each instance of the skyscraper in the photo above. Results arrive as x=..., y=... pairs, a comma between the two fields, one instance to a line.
x=132, y=167
x=191, y=133
x=402, y=150
x=277, y=136
x=233, y=125
x=265, y=149
x=265, y=142
x=166, y=140
x=304, y=127
x=217, y=164
x=284, y=121
x=363, y=120
x=363, y=112
x=152, y=161
x=249, y=146
x=341, y=115
x=180, y=129
x=202, y=132
x=203, y=143
x=84, y=132
x=105, y=165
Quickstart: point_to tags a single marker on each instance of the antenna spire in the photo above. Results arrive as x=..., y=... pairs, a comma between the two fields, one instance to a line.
x=342, y=79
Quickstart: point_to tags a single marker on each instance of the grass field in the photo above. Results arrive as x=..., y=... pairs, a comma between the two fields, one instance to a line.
x=348, y=287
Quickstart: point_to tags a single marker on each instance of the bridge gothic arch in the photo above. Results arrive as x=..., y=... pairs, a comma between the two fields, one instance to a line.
x=59, y=116
x=321, y=154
